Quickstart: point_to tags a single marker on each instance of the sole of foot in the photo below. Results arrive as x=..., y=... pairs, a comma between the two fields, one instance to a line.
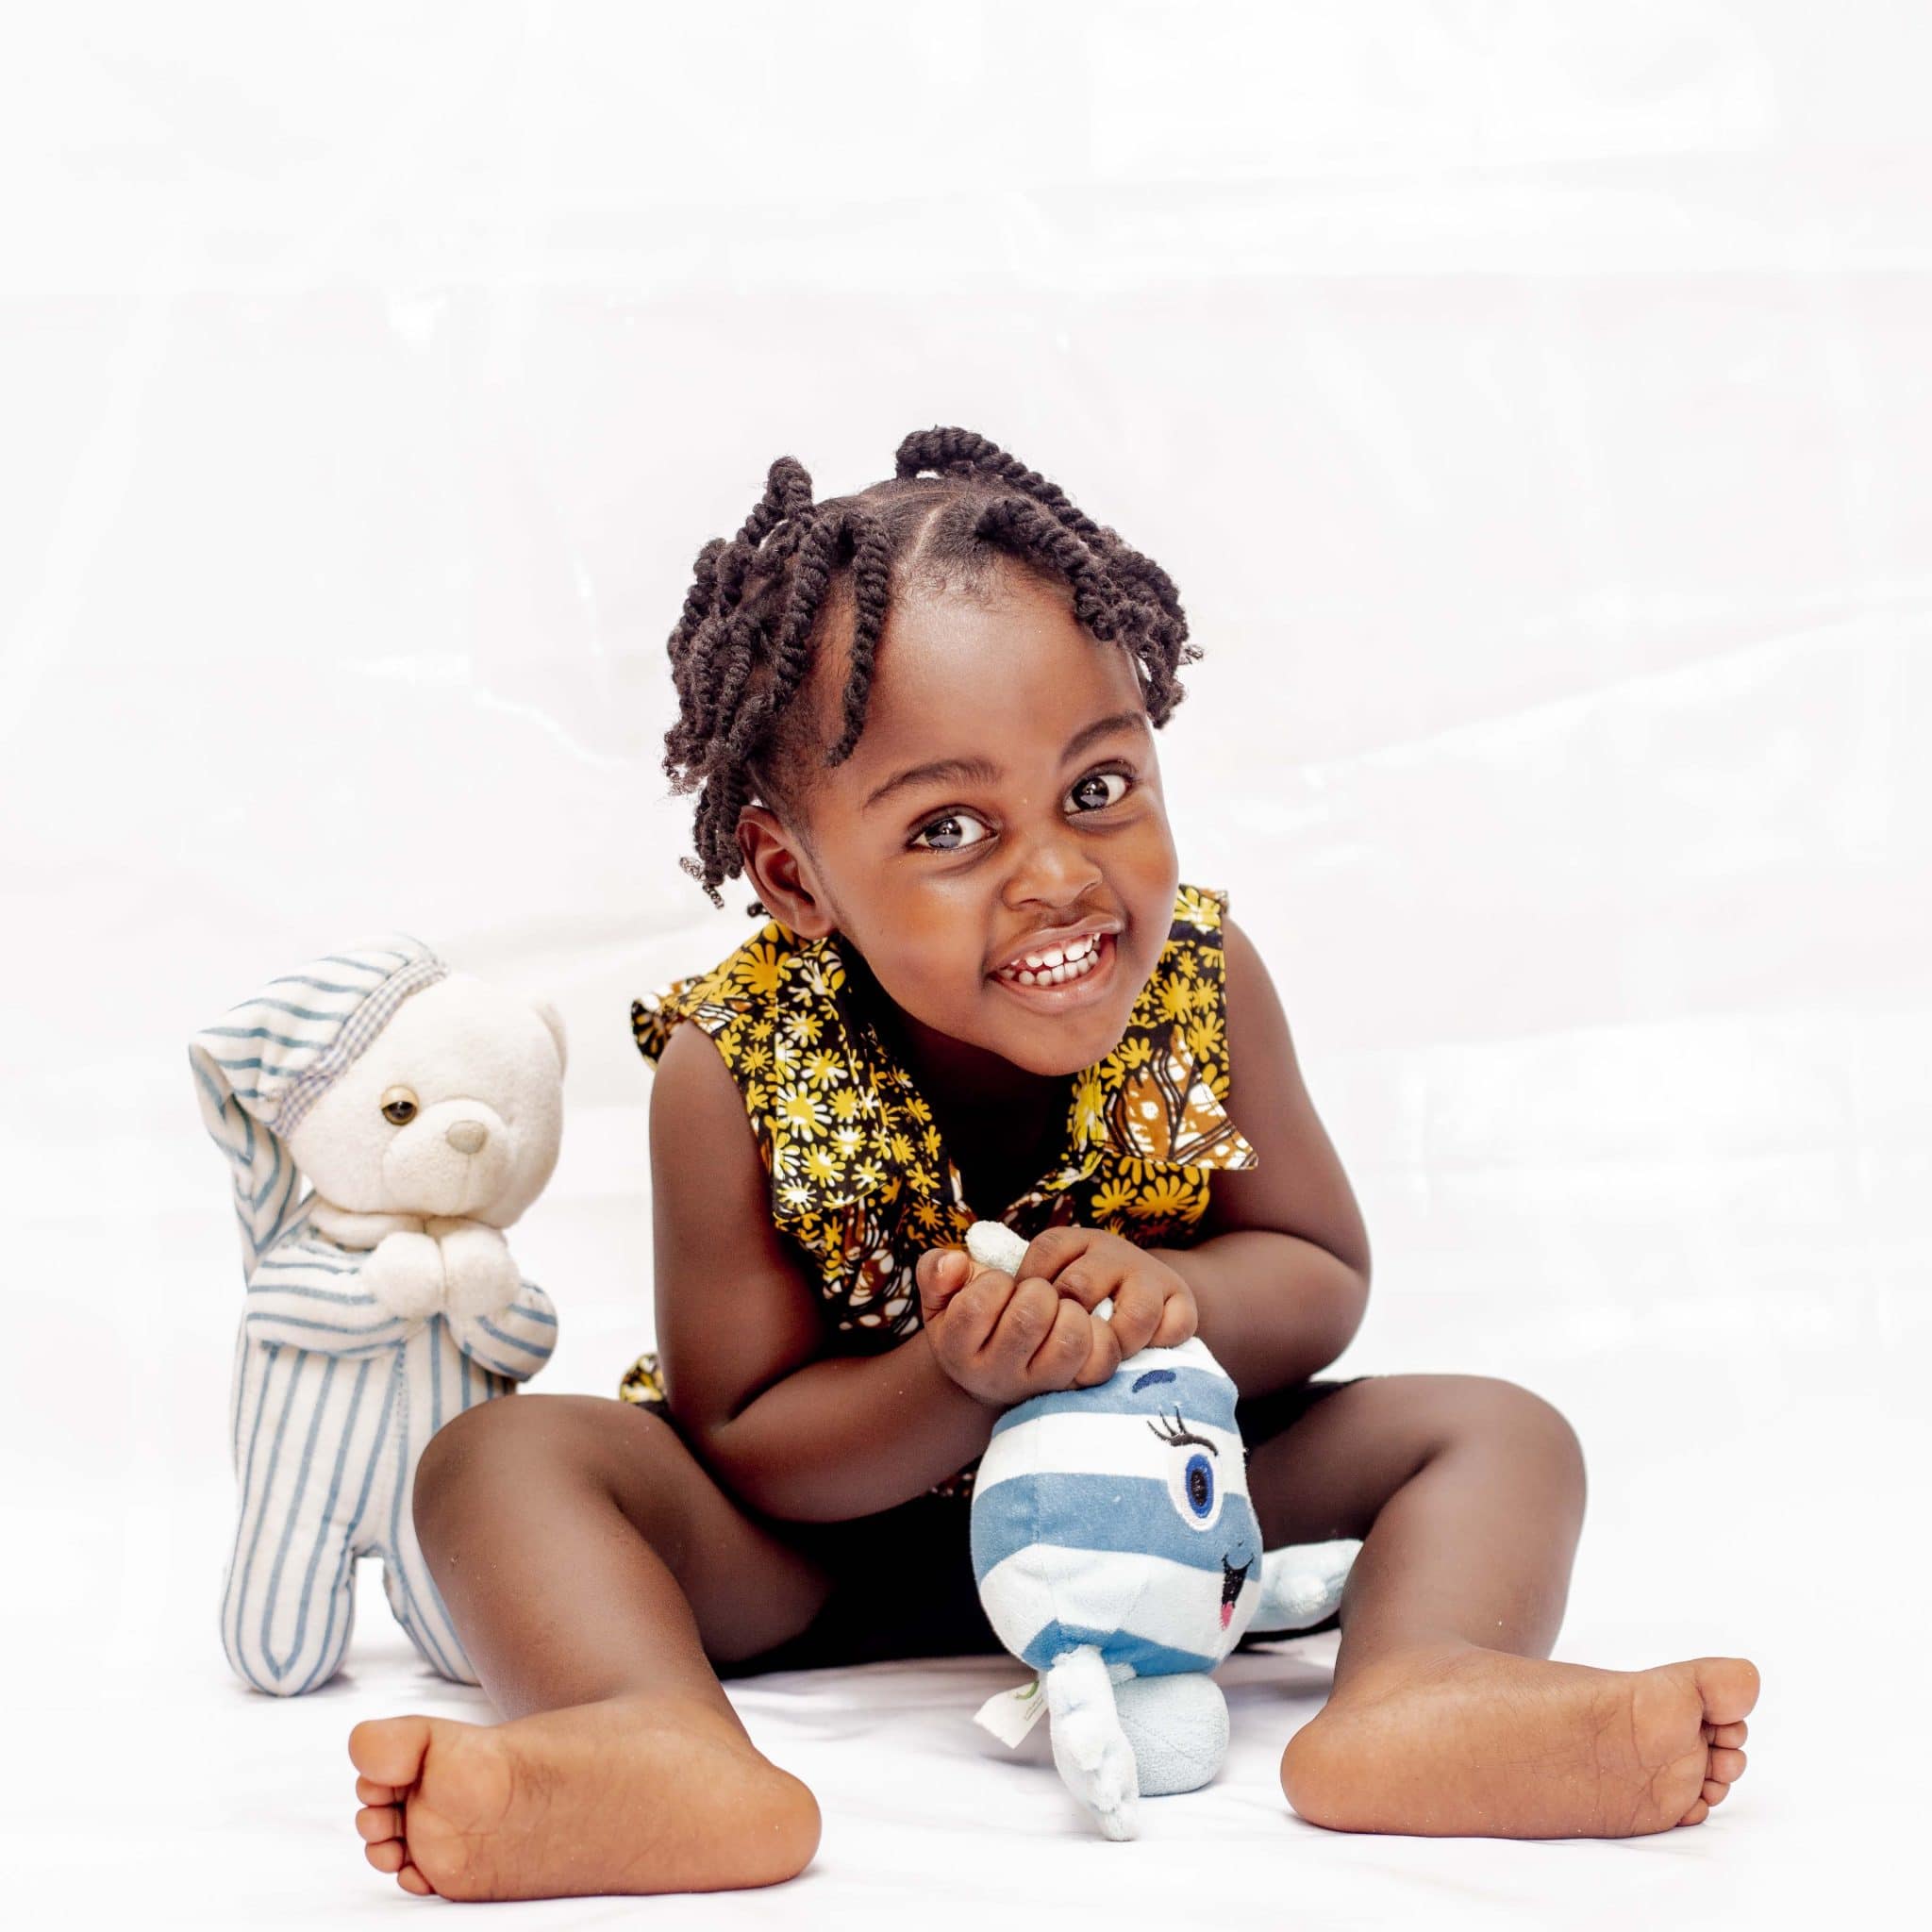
x=1465, y=1743
x=630, y=1796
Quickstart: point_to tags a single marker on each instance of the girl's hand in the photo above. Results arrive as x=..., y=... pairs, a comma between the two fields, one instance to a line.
x=1152, y=1308
x=1002, y=1340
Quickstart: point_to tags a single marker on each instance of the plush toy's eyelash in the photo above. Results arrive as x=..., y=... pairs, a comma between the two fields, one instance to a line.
x=1181, y=1433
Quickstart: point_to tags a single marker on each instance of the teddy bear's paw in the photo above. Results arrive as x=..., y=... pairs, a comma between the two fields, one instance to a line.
x=405, y=1274
x=479, y=1274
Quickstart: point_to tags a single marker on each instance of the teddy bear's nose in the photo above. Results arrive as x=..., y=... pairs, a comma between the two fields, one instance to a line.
x=467, y=1136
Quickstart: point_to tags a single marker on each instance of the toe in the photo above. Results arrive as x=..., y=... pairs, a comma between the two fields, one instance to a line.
x=1729, y=1685
x=369, y=1792
x=386, y=1856
x=1730, y=1736
x=1713, y=1793
x=413, y=1881
x=1698, y=1812
x=375, y=1823
x=389, y=1750
x=1725, y=1766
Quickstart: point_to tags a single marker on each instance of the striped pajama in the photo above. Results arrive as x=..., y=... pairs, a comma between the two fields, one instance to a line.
x=334, y=1402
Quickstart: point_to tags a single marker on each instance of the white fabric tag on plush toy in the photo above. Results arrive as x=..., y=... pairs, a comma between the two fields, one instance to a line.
x=1010, y=1714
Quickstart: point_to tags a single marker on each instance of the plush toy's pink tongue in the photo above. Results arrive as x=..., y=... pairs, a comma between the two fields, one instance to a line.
x=1231, y=1581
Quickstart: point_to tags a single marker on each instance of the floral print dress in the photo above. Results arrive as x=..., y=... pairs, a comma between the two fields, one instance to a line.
x=859, y=1179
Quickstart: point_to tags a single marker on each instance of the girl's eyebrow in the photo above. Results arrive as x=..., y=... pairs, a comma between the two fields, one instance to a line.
x=984, y=771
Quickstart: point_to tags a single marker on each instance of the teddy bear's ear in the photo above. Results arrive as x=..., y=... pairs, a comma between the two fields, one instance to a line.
x=554, y=1020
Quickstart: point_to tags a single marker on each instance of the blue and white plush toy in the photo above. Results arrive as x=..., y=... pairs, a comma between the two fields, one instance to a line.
x=425, y=1110
x=1117, y=1553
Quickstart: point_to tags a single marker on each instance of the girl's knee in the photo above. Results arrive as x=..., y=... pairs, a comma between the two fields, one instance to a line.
x=477, y=1451
x=1444, y=1413
x=492, y=1456
x=1528, y=1424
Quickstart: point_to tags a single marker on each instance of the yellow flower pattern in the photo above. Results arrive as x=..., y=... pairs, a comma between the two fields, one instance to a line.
x=860, y=1180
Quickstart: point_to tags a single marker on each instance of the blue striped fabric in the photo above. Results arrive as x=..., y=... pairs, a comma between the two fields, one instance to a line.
x=334, y=1399
x=1118, y=1518
x=1130, y=1514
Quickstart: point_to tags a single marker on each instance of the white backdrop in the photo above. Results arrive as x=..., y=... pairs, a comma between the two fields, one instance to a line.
x=1532, y=403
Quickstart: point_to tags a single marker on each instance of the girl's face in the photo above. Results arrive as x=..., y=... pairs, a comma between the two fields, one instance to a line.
x=996, y=847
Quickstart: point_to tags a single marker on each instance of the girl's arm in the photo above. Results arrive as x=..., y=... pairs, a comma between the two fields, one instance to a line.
x=740, y=1334
x=1281, y=1276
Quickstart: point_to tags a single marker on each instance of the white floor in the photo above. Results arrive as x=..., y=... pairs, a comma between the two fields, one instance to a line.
x=146, y=1777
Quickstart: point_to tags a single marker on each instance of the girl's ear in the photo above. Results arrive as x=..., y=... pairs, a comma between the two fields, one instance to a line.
x=778, y=865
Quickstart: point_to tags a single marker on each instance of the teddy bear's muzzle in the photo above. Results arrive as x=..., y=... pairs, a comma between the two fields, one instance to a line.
x=456, y=1158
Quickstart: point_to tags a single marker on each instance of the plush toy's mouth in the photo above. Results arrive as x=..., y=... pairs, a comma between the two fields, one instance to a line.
x=1231, y=1581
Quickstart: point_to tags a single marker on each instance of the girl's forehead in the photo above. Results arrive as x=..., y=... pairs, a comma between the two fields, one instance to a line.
x=1009, y=664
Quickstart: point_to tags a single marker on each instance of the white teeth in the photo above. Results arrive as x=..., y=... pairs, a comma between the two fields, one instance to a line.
x=1058, y=964
x=1061, y=956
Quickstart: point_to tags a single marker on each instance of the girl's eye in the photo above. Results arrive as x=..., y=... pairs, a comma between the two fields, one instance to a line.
x=953, y=833
x=947, y=829
x=1099, y=790
x=399, y=1106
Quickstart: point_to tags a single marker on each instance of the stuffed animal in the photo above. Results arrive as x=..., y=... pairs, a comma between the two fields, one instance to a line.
x=425, y=1109
x=1117, y=1553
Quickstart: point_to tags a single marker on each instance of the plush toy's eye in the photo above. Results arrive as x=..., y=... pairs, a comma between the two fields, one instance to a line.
x=399, y=1105
x=1190, y=1478
x=1199, y=1480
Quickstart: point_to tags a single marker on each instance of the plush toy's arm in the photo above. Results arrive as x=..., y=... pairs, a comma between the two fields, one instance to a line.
x=302, y=1303
x=516, y=1341
x=1302, y=1584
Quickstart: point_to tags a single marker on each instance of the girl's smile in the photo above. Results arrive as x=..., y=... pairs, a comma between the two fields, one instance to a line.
x=1062, y=972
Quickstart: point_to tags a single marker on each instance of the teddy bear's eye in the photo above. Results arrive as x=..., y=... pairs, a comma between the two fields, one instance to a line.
x=399, y=1105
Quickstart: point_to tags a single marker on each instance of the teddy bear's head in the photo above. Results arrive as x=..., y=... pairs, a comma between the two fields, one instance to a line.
x=455, y=1109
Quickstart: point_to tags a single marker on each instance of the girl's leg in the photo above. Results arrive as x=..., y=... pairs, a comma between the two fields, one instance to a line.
x=589, y=1564
x=1469, y=1493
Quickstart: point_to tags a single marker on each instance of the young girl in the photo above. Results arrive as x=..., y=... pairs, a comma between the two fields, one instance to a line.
x=920, y=720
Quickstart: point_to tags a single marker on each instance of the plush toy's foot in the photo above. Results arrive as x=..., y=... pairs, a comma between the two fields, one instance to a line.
x=1460, y=1742
x=628, y=1797
x=1177, y=1727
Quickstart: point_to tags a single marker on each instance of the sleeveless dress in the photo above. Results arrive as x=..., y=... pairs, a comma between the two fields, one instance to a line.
x=860, y=1181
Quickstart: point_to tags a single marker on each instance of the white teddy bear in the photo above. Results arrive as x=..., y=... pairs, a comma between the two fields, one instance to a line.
x=425, y=1109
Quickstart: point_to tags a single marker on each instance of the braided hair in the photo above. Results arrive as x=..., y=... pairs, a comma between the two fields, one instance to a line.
x=955, y=509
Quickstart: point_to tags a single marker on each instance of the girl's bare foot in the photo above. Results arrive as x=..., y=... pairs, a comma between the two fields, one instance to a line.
x=632, y=1795
x=1463, y=1742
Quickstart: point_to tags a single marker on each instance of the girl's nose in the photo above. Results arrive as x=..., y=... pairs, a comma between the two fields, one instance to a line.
x=1055, y=869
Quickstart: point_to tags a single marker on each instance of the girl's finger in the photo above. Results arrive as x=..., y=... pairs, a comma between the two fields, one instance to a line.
x=1137, y=1311
x=1103, y=1355
x=1065, y=1350
x=1178, y=1320
x=1025, y=1323
x=975, y=1313
x=1049, y=1252
x=940, y=1274
x=1085, y=1282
